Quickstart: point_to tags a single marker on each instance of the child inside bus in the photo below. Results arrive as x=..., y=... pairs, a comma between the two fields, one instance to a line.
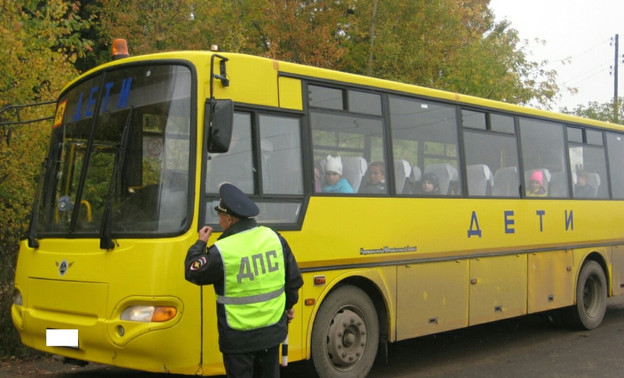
x=334, y=182
x=583, y=189
x=375, y=179
x=536, y=185
x=430, y=184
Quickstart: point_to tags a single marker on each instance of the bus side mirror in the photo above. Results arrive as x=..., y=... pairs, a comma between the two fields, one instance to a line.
x=218, y=124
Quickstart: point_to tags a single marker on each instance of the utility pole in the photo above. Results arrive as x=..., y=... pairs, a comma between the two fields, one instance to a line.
x=372, y=39
x=615, y=81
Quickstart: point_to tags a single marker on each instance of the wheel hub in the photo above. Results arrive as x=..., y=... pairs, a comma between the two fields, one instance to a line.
x=346, y=338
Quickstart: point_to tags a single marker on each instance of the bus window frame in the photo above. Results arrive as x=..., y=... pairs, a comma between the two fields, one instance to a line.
x=208, y=199
x=589, y=143
x=346, y=89
x=423, y=158
x=489, y=129
x=192, y=139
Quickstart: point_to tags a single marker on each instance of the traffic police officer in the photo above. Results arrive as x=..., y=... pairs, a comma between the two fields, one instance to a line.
x=256, y=280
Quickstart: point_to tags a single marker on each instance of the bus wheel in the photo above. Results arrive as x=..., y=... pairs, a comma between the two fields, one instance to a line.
x=345, y=334
x=591, y=297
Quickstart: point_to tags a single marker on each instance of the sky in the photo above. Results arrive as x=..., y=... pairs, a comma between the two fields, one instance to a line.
x=581, y=31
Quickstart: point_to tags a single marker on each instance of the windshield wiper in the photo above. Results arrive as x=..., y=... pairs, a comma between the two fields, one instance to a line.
x=106, y=239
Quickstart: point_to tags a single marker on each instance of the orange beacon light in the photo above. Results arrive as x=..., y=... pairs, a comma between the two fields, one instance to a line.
x=120, y=49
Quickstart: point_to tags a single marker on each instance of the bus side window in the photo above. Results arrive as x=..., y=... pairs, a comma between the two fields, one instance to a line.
x=587, y=159
x=412, y=185
x=542, y=177
x=615, y=149
x=280, y=155
x=506, y=182
x=353, y=169
x=345, y=137
x=447, y=177
x=593, y=181
x=234, y=166
x=490, y=146
x=425, y=134
x=479, y=180
x=319, y=178
x=402, y=171
x=543, y=151
x=558, y=185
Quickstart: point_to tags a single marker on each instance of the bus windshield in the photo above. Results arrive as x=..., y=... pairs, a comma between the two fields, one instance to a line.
x=120, y=155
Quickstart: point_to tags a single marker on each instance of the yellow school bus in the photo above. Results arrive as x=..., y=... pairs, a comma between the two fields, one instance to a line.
x=477, y=210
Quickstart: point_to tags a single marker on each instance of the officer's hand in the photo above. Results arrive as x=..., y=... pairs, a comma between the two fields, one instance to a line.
x=290, y=314
x=204, y=233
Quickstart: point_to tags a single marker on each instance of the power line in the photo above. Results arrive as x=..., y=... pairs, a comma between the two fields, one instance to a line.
x=572, y=58
x=585, y=75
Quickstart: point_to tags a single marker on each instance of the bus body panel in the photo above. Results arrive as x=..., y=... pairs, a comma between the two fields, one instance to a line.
x=382, y=279
x=439, y=292
x=290, y=93
x=93, y=292
x=257, y=85
x=617, y=281
x=550, y=280
x=497, y=288
x=446, y=228
x=517, y=270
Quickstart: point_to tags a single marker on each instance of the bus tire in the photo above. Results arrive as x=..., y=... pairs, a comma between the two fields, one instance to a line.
x=345, y=334
x=591, y=297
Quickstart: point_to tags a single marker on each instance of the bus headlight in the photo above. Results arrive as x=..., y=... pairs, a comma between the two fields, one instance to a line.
x=17, y=298
x=149, y=313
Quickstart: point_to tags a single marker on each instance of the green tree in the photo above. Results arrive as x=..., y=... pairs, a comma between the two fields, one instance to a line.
x=600, y=111
x=446, y=44
x=39, y=44
x=443, y=44
x=306, y=32
x=298, y=31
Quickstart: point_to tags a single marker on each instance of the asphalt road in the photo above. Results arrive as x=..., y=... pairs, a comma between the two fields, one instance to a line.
x=521, y=347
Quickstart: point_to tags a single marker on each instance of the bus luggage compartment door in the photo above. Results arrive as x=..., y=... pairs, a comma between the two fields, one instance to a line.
x=498, y=288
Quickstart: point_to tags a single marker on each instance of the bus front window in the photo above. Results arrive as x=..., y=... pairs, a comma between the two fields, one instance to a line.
x=120, y=155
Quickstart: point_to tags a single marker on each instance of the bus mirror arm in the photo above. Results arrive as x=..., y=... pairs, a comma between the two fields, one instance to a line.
x=222, y=73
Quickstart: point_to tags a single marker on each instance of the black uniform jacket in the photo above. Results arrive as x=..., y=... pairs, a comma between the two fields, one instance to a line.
x=211, y=273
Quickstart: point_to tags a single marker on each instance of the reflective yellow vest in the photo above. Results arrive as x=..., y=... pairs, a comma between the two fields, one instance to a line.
x=254, y=271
